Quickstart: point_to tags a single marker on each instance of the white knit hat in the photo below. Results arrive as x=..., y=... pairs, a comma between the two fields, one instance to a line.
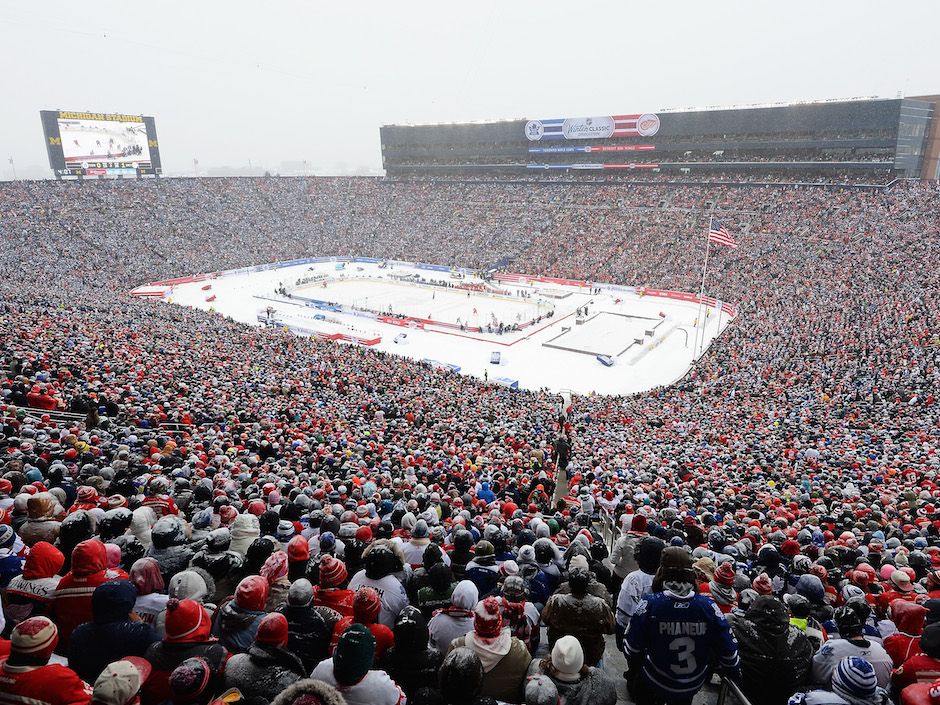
x=568, y=659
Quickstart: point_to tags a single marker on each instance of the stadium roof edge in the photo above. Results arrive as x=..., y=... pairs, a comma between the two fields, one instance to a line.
x=681, y=109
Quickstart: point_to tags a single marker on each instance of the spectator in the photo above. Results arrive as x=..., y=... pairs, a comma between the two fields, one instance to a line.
x=349, y=670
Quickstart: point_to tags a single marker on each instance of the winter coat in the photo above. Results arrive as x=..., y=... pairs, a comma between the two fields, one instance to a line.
x=410, y=662
x=325, y=694
x=52, y=684
x=586, y=618
x=110, y=636
x=169, y=547
x=263, y=671
x=376, y=688
x=622, y=557
x=594, y=687
x=245, y=529
x=484, y=573
x=775, y=656
x=334, y=598
x=236, y=626
x=30, y=594
x=41, y=524
x=506, y=680
x=165, y=656
x=308, y=634
x=454, y=622
x=72, y=599
x=908, y=617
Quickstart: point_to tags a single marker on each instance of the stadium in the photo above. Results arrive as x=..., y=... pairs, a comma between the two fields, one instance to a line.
x=636, y=408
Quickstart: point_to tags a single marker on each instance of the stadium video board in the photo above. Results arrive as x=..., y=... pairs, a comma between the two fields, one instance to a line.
x=100, y=144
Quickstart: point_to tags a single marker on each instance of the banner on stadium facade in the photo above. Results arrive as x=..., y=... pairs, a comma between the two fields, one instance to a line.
x=592, y=128
x=595, y=149
x=592, y=165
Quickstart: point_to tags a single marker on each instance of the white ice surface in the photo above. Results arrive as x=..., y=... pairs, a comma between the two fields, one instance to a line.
x=523, y=356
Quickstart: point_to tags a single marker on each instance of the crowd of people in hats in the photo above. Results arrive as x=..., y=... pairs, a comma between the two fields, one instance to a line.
x=193, y=510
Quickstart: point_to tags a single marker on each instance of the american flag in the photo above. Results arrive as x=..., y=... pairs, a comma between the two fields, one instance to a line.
x=719, y=234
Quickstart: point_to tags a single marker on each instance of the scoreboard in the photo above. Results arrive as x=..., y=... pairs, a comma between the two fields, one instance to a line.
x=100, y=144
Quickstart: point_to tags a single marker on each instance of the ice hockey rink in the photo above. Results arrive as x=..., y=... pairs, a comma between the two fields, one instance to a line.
x=511, y=329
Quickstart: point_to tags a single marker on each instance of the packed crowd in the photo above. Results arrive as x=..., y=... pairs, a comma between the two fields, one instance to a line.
x=235, y=514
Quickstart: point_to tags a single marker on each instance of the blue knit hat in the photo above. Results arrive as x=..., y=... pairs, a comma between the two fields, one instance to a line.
x=7, y=536
x=855, y=680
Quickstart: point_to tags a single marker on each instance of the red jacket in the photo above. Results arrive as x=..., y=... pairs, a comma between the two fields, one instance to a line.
x=917, y=669
x=42, y=685
x=71, y=602
x=334, y=598
x=384, y=637
x=909, y=618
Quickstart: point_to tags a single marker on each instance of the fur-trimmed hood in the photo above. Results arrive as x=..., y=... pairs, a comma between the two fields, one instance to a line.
x=326, y=693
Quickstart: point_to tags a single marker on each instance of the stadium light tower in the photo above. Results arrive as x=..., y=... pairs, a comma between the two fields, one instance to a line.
x=13, y=166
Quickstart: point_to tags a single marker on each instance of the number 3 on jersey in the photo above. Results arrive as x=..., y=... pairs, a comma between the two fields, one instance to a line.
x=684, y=649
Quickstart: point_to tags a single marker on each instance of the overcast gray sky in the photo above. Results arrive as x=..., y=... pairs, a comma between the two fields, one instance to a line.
x=284, y=81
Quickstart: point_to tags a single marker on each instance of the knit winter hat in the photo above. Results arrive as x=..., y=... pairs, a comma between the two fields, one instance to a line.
x=514, y=588
x=252, y=593
x=488, y=618
x=724, y=575
x=567, y=659
x=763, y=585
x=855, y=680
x=272, y=630
x=421, y=530
x=332, y=572
x=354, y=653
x=366, y=605
x=275, y=567
x=119, y=682
x=540, y=690
x=300, y=593
x=298, y=549
x=190, y=680
x=35, y=637
x=285, y=531
x=187, y=622
x=7, y=536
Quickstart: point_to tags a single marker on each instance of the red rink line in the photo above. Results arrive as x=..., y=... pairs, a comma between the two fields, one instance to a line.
x=496, y=342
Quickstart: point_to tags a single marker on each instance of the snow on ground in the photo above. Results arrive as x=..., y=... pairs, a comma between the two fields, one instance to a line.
x=616, y=319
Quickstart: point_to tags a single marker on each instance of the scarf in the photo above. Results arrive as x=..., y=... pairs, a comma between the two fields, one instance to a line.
x=490, y=651
x=678, y=588
x=515, y=619
x=722, y=594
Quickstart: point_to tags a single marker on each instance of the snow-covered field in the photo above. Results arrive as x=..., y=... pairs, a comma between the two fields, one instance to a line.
x=651, y=339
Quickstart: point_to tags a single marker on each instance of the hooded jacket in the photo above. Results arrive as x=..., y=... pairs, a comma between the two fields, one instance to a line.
x=587, y=618
x=908, y=617
x=72, y=600
x=411, y=662
x=41, y=524
x=776, y=657
x=263, y=671
x=326, y=694
x=245, y=529
x=30, y=594
x=169, y=547
x=236, y=621
x=111, y=635
x=308, y=634
x=456, y=620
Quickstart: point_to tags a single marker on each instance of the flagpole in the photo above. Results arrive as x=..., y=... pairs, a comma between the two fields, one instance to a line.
x=701, y=295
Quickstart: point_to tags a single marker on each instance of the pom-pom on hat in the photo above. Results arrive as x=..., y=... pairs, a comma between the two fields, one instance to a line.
x=488, y=618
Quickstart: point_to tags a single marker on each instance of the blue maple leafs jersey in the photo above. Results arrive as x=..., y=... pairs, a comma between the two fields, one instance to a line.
x=680, y=637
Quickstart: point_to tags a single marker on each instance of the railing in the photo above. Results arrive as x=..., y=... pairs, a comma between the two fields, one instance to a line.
x=609, y=529
x=730, y=689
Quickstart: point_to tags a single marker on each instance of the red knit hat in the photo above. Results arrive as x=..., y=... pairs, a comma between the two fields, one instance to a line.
x=298, y=549
x=187, y=622
x=725, y=574
x=763, y=584
x=252, y=593
x=332, y=572
x=272, y=630
x=366, y=605
x=789, y=548
x=488, y=618
x=35, y=637
x=364, y=534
